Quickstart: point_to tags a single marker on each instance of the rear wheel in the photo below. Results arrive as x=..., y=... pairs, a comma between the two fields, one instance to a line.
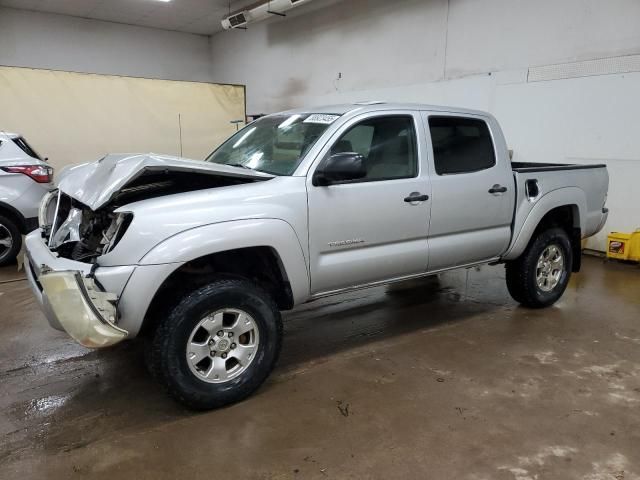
x=10, y=241
x=218, y=344
x=540, y=276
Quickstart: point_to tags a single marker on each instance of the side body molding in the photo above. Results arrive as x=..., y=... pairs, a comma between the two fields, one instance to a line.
x=169, y=255
x=557, y=198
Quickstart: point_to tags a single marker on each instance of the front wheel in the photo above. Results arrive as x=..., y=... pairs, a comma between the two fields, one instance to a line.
x=218, y=344
x=540, y=276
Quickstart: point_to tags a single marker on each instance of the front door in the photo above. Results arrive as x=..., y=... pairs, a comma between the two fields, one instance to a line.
x=371, y=229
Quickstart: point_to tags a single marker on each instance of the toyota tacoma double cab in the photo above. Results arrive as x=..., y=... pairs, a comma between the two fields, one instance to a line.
x=198, y=258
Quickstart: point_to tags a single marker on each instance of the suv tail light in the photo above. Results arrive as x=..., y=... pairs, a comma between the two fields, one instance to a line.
x=39, y=173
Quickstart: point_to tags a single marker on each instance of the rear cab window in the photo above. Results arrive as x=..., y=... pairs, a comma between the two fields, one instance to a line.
x=461, y=145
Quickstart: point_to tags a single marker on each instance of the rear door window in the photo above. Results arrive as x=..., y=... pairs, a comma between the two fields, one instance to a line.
x=461, y=145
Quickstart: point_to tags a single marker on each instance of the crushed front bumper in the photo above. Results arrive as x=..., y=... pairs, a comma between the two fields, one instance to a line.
x=70, y=298
x=86, y=313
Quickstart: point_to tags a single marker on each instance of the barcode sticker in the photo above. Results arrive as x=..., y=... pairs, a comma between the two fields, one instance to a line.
x=321, y=118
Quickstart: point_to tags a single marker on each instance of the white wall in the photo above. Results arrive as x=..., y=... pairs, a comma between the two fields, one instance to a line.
x=381, y=43
x=58, y=42
x=473, y=53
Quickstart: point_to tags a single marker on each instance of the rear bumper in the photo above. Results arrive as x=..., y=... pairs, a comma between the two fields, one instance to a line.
x=70, y=298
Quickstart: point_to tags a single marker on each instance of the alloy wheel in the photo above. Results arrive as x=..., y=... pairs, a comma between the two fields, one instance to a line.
x=222, y=345
x=549, y=268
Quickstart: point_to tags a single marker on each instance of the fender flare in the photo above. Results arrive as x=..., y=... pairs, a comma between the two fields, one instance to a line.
x=566, y=196
x=169, y=255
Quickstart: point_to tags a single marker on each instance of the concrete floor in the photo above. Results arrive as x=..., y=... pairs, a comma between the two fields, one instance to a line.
x=443, y=378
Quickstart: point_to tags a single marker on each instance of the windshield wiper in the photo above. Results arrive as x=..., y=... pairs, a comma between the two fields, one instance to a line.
x=238, y=165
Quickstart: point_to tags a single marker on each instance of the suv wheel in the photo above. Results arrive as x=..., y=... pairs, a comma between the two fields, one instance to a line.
x=218, y=344
x=10, y=241
x=540, y=276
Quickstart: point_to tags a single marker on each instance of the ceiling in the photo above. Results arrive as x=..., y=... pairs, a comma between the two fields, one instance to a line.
x=193, y=16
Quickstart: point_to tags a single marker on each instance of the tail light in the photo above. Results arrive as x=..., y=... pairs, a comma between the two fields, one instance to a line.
x=38, y=173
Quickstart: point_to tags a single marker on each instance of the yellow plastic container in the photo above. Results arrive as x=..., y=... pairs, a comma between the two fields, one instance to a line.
x=624, y=246
x=635, y=246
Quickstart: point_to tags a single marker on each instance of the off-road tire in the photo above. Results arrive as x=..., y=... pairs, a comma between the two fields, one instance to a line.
x=9, y=255
x=521, y=273
x=167, y=348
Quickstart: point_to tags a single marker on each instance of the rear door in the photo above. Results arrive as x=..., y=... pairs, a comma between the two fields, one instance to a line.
x=366, y=230
x=472, y=197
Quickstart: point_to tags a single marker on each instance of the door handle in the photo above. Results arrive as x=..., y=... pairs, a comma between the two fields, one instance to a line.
x=416, y=197
x=497, y=189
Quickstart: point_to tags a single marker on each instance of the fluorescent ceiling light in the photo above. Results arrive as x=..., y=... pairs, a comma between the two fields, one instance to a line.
x=289, y=121
x=244, y=137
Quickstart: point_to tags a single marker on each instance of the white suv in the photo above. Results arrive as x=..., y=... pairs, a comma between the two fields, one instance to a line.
x=24, y=179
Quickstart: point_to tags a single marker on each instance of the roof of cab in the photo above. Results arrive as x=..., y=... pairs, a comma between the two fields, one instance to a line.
x=374, y=106
x=8, y=134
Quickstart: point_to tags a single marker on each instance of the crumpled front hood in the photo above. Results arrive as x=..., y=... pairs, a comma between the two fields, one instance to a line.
x=95, y=184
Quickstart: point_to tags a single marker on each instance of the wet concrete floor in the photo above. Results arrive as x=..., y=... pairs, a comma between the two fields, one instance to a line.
x=442, y=378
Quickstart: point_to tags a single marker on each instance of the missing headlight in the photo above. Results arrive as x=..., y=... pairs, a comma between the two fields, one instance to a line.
x=86, y=234
x=116, y=230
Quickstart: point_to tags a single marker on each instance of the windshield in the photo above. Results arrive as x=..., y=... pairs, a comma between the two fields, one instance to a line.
x=273, y=144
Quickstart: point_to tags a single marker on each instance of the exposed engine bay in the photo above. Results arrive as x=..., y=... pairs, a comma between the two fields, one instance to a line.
x=85, y=235
x=76, y=232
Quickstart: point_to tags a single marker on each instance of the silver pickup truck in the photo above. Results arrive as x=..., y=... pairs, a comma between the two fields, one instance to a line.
x=199, y=258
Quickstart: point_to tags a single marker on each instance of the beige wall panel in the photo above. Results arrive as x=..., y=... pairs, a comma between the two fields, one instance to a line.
x=77, y=117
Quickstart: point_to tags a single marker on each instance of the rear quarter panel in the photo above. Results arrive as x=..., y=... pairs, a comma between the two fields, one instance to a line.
x=22, y=193
x=584, y=189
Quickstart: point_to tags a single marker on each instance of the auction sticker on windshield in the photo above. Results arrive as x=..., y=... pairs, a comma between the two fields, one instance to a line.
x=321, y=118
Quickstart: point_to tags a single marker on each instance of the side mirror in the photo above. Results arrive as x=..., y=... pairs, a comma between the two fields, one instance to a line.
x=340, y=167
